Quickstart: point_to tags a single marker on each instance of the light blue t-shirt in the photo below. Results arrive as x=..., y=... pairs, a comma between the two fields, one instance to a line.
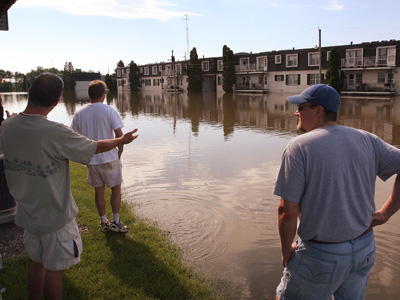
x=331, y=172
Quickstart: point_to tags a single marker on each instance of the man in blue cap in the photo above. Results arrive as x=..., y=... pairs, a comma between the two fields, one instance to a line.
x=327, y=182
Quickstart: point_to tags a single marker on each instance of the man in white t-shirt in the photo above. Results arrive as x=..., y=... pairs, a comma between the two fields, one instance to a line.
x=37, y=152
x=98, y=121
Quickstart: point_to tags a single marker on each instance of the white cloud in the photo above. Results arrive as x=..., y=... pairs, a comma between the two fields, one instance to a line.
x=334, y=5
x=121, y=9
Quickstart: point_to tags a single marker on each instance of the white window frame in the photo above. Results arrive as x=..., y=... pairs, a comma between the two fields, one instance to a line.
x=292, y=79
x=354, y=57
x=220, y=65
x=313, y=59
x=146, y=71
x=205, y=66
x=154, y=70
x=118, y=73
x=278, y=59
x=244, y=64
x=292, y=60
x=262, y=63
x=141, y=70
x=313, y=79
x=381, y=77
x=178, y=68
x=390, y=56
x=160, y=68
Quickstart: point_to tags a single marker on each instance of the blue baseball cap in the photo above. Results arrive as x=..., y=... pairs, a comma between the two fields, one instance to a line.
x=319, y=94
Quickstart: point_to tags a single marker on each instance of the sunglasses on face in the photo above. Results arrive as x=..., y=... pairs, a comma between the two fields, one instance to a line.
x=300, y=107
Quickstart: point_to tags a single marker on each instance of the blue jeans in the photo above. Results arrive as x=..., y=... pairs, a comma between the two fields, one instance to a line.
x=318, y=271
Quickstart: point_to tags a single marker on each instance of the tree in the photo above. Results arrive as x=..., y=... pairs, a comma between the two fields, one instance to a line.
x=69, y=81
x=195, y=76
x=134, y=81
x=120, y=64
x=30, y=76
x=111, y=82
x=228, y=71
x=333, y=76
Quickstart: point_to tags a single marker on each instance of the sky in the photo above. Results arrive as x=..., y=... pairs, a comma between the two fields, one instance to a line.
x=94, y=35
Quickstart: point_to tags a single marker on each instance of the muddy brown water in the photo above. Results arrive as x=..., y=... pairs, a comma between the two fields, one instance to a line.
x=204, y=167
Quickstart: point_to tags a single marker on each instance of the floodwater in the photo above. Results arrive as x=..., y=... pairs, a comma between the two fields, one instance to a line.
x=204, y=167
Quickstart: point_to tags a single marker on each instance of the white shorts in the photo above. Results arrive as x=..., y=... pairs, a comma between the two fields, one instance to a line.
x=57, y=250
x=108, y=173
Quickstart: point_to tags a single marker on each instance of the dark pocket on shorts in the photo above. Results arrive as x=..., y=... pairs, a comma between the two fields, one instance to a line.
x=69, y=246
x=316, y=270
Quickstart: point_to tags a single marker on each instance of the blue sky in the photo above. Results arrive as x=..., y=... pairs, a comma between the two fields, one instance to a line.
x=96, y=34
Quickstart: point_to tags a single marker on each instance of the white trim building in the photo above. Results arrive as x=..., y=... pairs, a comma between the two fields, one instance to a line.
x=367, y=68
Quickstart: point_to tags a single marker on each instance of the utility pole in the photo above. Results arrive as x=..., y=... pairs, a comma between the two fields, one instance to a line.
x=187, y=36
x=320, y=57
x=173, y=69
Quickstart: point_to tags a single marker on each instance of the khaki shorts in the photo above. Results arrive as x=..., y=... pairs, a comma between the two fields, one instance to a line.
x=57, y=250
x=108, y=173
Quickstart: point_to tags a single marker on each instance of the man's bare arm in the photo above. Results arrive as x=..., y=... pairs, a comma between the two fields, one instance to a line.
x=288, y=213
x=118, y=132
x=107, y=145
x=391, y=206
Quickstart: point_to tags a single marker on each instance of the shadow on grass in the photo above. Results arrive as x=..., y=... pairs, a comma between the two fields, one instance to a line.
x=137, y=266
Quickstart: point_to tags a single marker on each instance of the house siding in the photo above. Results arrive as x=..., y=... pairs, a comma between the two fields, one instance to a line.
x=251, y=76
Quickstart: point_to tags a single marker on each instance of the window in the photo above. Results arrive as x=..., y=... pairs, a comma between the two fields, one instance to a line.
x=386, y=56
x=220, y=66
x=244, y=64
x=279, y=77
x=160, y=68
x=381, y=77
x=147, y=82
x=265, y=80
x=178, y=68
x=205, y=66
x=293, y=79
x=156, y=82
x=354, y=57
x=359, y=78
x=312, y=79
x=328, y=54
x=154, y=70
x=146, y=71
x=313, y=59
x=291, y=60
x=219, y=80
x=278, y=59
x=262, y=63
x=118, y=73
x=141, y=70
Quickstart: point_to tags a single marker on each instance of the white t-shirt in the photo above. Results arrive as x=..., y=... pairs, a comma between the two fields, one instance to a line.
x=36, y=161
x=97, y=121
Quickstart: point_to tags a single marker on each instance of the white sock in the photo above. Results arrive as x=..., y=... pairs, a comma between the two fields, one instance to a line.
x=116, y=218
x=103, y=219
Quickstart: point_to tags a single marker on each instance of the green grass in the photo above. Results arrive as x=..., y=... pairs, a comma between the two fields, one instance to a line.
x=141, y=264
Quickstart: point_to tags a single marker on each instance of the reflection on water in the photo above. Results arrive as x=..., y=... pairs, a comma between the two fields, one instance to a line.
x=204, y=167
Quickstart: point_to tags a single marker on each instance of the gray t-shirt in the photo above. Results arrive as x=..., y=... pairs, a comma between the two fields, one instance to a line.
x=36, y=160
x=331, y=172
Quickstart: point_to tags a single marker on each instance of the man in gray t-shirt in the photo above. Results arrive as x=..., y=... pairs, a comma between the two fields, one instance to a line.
x=37, y=152
x=327, y=181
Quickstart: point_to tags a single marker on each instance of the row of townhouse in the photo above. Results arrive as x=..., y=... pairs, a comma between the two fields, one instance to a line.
x=368, y=68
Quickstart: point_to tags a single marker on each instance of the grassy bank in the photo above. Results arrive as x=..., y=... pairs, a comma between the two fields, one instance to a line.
x=141, y=264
